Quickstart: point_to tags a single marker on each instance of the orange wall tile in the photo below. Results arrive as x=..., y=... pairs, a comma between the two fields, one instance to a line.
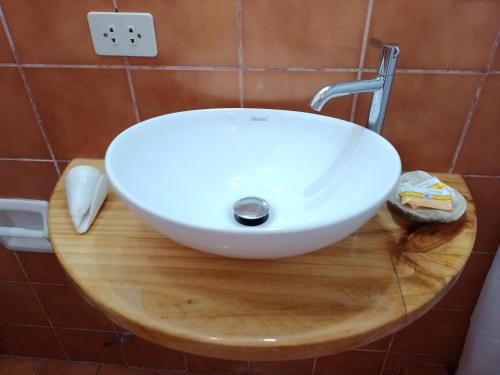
x=296, y=33
x=60, y=100
x=445, y=34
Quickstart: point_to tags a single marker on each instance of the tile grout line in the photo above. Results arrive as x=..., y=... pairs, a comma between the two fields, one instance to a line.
x=56, y=327
x=117, y=336
x=298, y=69
x=27, y=159
x=95, y=330
x=246, y=69
x=239, y=33
x=37, y=297
x=362, y=54
x=27, y=87
x=135, y=107
x=184, y=359
x=448, y=308
x=468, y=119
x=9, y=350
x=313, y=370
x=368, y=350
x=475, y=101
x=480, y=176
x=40, y=362
x=389, y=347
x=440, y=71
x=33, y=282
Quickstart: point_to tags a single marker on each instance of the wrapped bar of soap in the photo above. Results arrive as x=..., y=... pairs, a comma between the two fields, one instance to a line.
x=430, y=193
x=423, y=179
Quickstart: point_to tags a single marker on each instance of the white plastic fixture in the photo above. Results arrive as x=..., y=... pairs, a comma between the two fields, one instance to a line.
x=123, y=34
x=23, y=225
x=322, y=177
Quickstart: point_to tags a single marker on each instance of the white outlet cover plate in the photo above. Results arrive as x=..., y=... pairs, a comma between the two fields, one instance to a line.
x=123, y=34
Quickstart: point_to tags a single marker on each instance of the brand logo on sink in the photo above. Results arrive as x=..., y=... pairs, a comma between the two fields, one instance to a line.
x=255, y=118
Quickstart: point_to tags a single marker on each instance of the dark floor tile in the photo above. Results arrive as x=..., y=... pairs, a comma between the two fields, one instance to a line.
x=143, y=353
x=32, y=341
x=17, y=366
x=66, y=368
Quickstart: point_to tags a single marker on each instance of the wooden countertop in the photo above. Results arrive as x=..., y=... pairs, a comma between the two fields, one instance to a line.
x=365, y=287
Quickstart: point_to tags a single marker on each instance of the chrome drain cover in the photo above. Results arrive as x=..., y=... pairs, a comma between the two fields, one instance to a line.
x=251, y=211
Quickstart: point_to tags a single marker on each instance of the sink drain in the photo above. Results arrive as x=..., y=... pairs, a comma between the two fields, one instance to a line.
x=251, y=211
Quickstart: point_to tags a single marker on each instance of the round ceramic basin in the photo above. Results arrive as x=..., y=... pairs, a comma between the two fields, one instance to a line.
x=322, y=178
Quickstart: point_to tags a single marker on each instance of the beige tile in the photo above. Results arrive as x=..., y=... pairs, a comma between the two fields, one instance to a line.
x=296, y=33
x=54, y=31
x=83, y=109
x=480, y=153
x=21, y=136
x=294, y=91
x=425, y=117
x=160, y=92
x=445, y=34
x=190, y=32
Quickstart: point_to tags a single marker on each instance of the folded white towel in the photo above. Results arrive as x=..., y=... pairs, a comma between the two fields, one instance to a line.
x=86, y=190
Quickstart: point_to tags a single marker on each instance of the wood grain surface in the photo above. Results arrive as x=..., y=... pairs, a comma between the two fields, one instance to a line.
x=362, y=288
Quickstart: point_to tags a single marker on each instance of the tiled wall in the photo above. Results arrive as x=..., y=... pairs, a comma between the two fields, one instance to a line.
x=59, y=100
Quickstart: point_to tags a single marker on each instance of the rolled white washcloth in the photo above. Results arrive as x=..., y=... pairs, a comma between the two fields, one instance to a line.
x=86, y=190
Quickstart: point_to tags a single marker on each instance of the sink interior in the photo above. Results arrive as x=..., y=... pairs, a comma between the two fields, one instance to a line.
x=310, y=172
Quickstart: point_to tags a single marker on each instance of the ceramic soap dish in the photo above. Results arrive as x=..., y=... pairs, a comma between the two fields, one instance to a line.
x=427, y=214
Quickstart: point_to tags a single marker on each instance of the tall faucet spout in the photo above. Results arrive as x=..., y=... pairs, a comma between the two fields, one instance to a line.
x=380, y=86
x=343, y=89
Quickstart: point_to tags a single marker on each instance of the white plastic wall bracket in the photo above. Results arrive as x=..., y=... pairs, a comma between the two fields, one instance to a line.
x=23, y=225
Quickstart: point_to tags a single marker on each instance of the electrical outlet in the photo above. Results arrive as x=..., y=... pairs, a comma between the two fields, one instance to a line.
x=123, y=34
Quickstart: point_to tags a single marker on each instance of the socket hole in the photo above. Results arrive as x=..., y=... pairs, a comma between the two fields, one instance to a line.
x=113, y=40
x=139, y=36
x=105, y=35
x=130, y=29
x=132, y=40
x=111, y=29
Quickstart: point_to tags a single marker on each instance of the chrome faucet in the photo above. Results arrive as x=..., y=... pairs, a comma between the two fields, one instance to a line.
x=380, y=86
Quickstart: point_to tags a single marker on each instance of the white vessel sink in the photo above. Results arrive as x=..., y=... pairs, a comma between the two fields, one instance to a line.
x=323, y=178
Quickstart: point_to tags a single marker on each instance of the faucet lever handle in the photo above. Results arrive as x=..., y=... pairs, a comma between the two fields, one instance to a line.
x=388, y=56
x=379, y=44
